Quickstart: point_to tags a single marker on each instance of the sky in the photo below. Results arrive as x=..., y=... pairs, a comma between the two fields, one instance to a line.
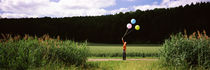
x=70, y=8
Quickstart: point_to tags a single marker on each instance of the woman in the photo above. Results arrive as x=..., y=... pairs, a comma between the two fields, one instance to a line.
x=124, y=49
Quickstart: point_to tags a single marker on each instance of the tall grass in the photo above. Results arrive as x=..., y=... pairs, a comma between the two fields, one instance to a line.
x=30, y=52
x=189, y=51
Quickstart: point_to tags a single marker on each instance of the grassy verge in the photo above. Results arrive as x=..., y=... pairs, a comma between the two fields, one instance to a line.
x=116, y=65
x=125, y=65
x=106, y=65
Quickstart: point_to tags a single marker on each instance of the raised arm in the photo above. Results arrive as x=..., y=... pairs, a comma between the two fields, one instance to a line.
x=122, y=40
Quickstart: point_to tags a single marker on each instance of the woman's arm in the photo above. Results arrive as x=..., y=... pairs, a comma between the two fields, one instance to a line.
x=122, y=40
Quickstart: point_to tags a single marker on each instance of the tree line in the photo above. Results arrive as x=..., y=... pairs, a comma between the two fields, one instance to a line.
x=156, y=25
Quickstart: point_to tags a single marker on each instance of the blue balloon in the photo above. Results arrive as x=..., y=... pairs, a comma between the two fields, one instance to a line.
x=133, y=21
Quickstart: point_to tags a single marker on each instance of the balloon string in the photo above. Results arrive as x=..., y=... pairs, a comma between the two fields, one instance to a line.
x=125, y=33
x=129, y=32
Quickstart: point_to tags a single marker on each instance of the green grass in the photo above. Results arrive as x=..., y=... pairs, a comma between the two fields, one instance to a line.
x=32, y=52
x=109, y=50
x=134, y=65
x=103, y=44
x=116, y=65
x=106, y=65
x=125, y=65
x=189, y=51
x=133, y=50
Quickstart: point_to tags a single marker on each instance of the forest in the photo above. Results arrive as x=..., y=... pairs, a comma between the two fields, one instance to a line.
x=155, y=25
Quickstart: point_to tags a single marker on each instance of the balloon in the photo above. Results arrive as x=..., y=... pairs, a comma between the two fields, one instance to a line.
x=133, y=21
x=137, y=27
x=129, y=26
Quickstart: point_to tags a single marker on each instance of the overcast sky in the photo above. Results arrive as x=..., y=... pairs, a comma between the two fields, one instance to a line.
x=69, y=8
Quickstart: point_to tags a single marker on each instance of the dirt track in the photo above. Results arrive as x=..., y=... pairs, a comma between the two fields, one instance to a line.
x=121, y=59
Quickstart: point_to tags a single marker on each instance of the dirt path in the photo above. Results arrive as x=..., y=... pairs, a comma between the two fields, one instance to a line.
x=121, y=59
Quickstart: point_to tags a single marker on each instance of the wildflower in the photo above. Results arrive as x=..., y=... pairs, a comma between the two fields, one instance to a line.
x=190, y=37
x=204, y=32
x=199, y=35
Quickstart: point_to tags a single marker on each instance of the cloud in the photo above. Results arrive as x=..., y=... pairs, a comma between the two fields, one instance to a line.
x=16, y=15
x=131, y=0
x=128, y=0
x=149, y=7
x=59, y=8
x=175, y=3
x=119, y=10
x=167, y=4
x=69, y=8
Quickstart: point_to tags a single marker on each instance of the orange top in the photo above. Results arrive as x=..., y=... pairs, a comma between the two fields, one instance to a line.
x=124, y=45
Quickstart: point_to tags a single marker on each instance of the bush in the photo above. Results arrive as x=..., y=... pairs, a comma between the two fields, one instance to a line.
x=192, y=51
x=30, y=52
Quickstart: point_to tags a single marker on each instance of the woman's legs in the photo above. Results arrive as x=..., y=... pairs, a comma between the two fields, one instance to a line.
x=124, y=55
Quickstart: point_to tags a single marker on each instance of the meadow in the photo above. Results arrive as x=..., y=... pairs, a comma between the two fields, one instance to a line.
x=116, y=65
x=108, y=65
x=115, y=50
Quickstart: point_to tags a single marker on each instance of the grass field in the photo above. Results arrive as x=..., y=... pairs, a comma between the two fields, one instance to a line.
x=115, y=65
x=110, y=51
x=107, y=65
x=115, y=50
x=125, y=65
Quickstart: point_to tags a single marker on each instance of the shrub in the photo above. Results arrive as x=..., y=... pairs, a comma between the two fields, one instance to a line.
x=192, y=51
x=30, y=52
